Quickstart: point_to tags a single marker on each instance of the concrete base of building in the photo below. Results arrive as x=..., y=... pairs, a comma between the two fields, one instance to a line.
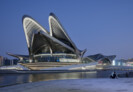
x=46, y=65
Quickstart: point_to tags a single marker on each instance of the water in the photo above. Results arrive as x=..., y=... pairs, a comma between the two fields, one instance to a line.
x=13, y=79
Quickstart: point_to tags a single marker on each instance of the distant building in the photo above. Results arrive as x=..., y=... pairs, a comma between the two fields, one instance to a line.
x=101, y=59
x=6, y=62
x=129, y=62
x=1, y=60
x=119, y=62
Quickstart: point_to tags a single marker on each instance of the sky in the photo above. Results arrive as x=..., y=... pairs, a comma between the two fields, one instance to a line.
x=100, y=26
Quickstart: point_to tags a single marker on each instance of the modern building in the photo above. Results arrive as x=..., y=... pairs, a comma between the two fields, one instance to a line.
x=48, y=46
x=6, y=62
x=1, y=60
x=101, y=59
x=54, y=45
x=129, y=62
x=119, y=62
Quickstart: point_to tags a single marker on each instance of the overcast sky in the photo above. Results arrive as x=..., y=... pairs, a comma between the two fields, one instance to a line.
x=101, y=26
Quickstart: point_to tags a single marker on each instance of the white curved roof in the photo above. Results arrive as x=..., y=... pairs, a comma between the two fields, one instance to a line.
x=39, y=40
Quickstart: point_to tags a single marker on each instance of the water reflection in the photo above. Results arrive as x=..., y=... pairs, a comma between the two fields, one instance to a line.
x=11, y=79
x=58, y=76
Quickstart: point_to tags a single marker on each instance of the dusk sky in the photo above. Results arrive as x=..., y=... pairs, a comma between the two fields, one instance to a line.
x=100, y=26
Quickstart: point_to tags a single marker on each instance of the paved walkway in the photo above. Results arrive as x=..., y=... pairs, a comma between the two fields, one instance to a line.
x=75, y=85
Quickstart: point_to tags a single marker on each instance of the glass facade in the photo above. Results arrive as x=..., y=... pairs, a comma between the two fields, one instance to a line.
x=53, y=58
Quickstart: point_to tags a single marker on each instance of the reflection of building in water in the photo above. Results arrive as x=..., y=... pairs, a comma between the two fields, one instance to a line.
x=56, y=76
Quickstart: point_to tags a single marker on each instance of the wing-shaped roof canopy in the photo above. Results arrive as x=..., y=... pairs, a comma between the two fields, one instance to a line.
x=57, y=31
x=98, y=57
x=19, y=56
x=40, y=41
x=95, y=57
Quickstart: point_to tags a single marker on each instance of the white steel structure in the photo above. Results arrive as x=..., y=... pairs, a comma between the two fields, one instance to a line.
x=52, y=46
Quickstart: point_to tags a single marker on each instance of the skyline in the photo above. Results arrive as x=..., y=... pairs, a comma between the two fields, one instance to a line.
x=98, y=26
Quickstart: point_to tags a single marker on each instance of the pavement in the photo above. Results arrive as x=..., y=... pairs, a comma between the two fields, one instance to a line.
x=75, y=85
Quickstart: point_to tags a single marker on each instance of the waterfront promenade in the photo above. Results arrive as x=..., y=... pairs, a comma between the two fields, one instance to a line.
x=75, y=85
